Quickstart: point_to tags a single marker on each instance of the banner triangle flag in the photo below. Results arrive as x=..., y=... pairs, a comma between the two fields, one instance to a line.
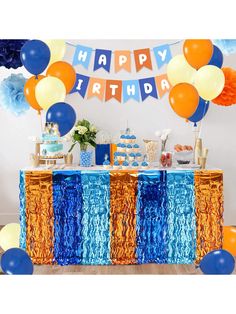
x=102, y=59
x=82, y=56
x=96, y=88
x=81, y=84
x=162, y=84
x=142, y=59
x=148, y=88
x=122, y=60
x=113, y=90
x=130, y=90
x=162, y=55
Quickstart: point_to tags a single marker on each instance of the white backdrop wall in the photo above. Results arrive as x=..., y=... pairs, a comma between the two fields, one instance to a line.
x=144, y=118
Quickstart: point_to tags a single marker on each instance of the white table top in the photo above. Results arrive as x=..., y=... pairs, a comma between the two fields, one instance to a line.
x=101, y=168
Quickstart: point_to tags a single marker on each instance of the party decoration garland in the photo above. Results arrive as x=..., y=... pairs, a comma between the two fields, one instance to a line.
x=121, y=217
x=120, y=90
x=122, y=58
x=12, y=94
x=10, y=53
x=228, y=94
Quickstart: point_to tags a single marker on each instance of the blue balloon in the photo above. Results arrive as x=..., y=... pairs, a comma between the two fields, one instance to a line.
x=35, y=56
x=201, y=111
x=16, y=261
x=62, y=114
x=218, y=262
x=217, y=57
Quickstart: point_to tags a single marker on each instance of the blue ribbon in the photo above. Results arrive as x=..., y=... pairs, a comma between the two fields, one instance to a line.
x=22, y=211
x=67, y=205
x=82, y=56
x=102, y=59
x=151, y=217
x=181, y=234
x=96, y=217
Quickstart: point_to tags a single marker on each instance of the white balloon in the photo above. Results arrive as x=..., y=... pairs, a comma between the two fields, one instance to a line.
x=179, y=71
x=209, y=81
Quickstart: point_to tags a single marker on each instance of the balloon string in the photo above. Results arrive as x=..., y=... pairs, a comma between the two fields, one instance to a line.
x=41, y=121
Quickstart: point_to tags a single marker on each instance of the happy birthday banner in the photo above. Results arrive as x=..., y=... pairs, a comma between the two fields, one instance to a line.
x=122, y=58
x=121, y=90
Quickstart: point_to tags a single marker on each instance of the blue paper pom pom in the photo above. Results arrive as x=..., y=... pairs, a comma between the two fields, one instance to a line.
x=227, y=46
x=10, y=52
x=12, y=94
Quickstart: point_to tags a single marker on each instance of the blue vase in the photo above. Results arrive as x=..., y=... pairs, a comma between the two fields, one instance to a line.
x=86, y=158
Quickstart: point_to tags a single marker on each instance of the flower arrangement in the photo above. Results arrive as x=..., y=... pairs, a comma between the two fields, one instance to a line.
x=164, y=135
x=83, y=133
x=12, y=94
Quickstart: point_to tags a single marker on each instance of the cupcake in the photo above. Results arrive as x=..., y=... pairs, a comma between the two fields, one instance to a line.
x=131, y=156
x=125, y=165
x=122, y=156
x=116, y=165
x=119, y=147
x=136, y=148
x=122, y=148
x=138, y=156
x=129, y=148
x=106, y=163
x=135, y=164
x=144, y=165
x=128, y=139
x=133, y=138
x=117, y=155
x=122, y=138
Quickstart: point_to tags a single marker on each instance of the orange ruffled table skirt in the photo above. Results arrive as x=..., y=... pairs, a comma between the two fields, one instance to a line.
x=120, y=217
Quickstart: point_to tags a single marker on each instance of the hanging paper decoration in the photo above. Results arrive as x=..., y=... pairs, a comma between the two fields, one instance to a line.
x=12, y=94
x=122, y=60
x=162, y=84
x=96, y=88
x=82, y=56
x=148, y=88
x=10, y=53
x=227, y=46
x=130, y=90
x=162, y=55
x=81, y=84
x=142, y=59
x=228, y=95
x=102, y=59
x=155, y=87
x=113, y=90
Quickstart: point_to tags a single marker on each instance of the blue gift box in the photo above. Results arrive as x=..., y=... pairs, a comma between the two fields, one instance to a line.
x=100, y=152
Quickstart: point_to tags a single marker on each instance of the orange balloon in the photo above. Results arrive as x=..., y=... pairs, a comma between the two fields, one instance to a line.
x=29, y=91
x=184, y=99
x=65, y=72
x=198, y=52
x=229, y=241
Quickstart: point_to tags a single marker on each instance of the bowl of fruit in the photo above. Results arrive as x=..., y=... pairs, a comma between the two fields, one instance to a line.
x=183, y=154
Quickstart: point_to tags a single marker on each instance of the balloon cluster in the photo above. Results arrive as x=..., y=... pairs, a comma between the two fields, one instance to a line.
x=196, y=77
x=49, y=91
x=221, y=262
x=14, y=260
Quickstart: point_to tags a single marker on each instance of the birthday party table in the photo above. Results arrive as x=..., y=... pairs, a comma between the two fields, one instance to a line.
x=98, y=217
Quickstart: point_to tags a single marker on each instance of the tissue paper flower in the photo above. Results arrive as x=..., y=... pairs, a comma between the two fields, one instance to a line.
x=227, y=46
x=10, y=53
x=12, y=94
